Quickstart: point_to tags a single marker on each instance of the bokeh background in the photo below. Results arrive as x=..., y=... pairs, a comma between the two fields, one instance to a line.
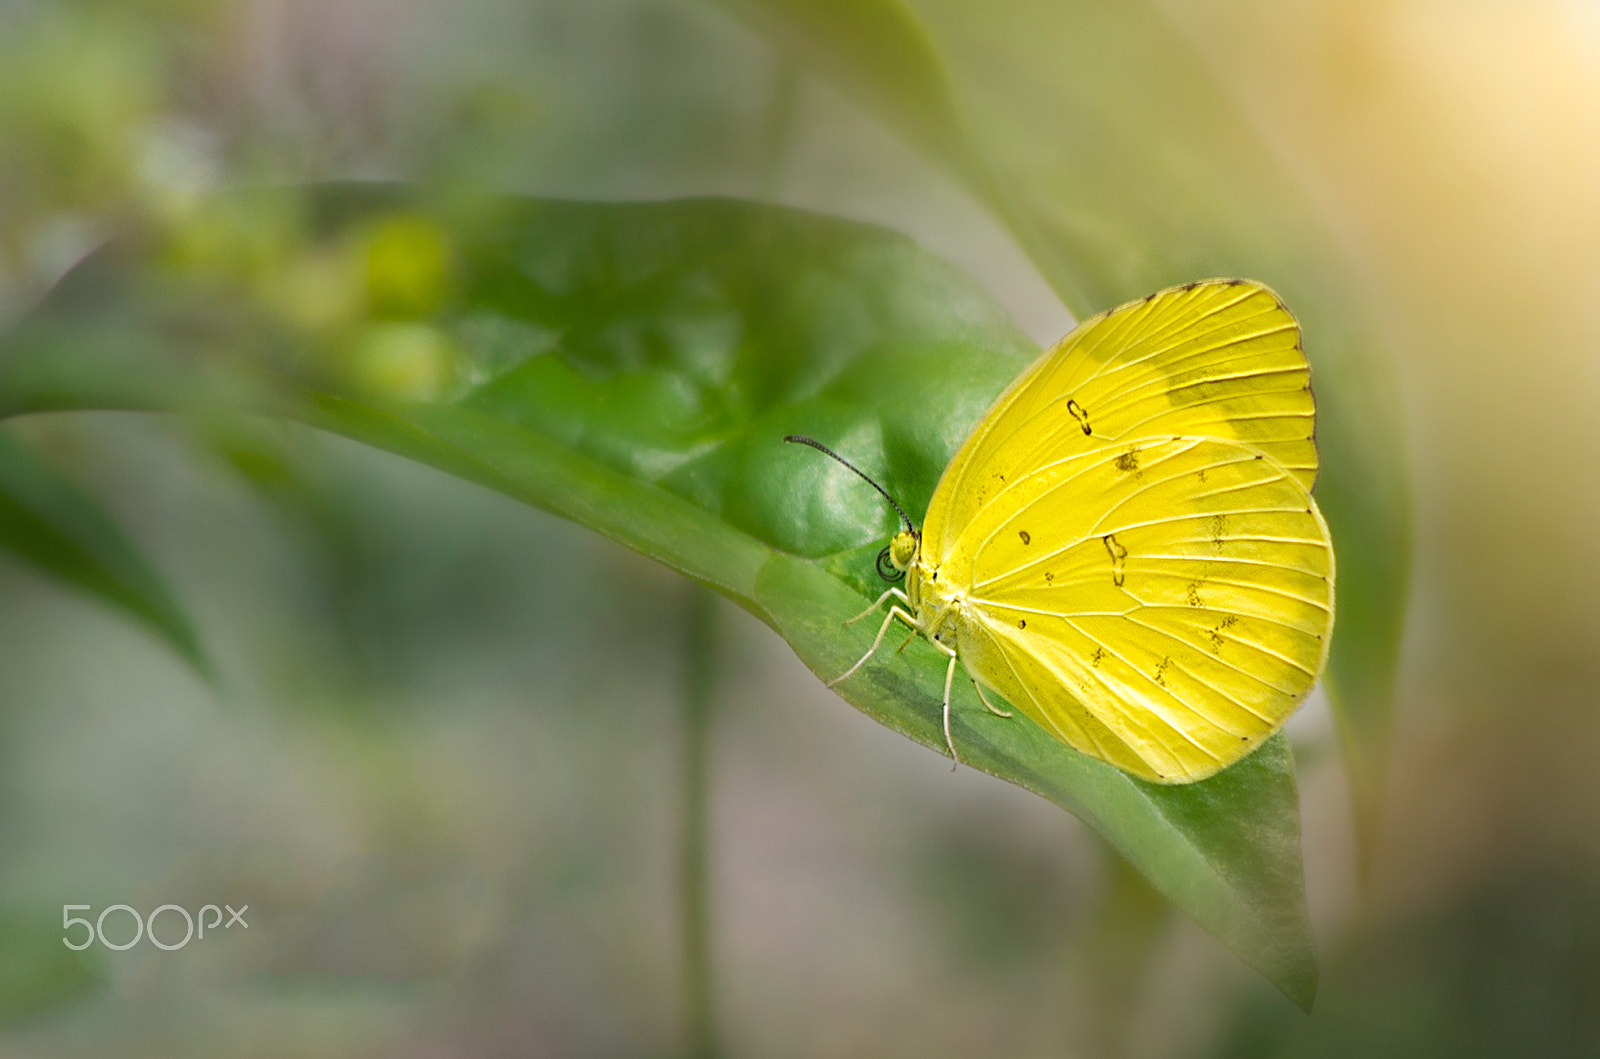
x=443, y=756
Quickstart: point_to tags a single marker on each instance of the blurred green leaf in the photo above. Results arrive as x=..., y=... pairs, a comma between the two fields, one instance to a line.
x=1122, y=166
x=881, y=51
x=37, y=972
x=121, y=332
x=635, y=367
x=49, y=522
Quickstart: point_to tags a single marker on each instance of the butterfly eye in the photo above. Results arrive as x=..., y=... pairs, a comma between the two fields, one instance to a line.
x=886, y=568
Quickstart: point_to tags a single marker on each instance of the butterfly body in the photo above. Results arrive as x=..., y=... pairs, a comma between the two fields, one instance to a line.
x=1126, y=547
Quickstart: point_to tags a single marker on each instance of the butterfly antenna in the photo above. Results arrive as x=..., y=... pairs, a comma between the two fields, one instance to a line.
x=801, y=439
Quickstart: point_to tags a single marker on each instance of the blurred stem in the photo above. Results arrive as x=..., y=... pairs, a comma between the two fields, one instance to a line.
x=779, y=131
x=699, y=670
x=1131, y=923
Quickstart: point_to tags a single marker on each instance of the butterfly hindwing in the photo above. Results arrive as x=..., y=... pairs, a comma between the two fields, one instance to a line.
x=1163, y=606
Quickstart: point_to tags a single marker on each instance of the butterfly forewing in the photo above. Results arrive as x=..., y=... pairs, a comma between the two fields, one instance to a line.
x=1218, y=359
x=1164, y=605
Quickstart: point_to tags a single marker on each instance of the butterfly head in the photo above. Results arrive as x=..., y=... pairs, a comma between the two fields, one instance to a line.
x=898, y=555
x=903, y=549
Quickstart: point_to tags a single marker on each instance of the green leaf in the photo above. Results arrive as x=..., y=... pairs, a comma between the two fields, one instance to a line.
x=634, y=368
x=1122, y=166
x=50, y=523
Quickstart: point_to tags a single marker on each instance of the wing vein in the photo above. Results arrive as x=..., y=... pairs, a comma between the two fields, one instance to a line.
x=1200, y=351
x=1159, y=715
x=1220, y=661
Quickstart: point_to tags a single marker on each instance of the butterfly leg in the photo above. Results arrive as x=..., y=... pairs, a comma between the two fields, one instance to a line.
x=894, y=612
x=985, y=699
x=949, y=679
x=893, y=593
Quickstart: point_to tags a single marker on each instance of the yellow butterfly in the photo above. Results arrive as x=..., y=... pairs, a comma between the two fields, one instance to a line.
x=1126, y=546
